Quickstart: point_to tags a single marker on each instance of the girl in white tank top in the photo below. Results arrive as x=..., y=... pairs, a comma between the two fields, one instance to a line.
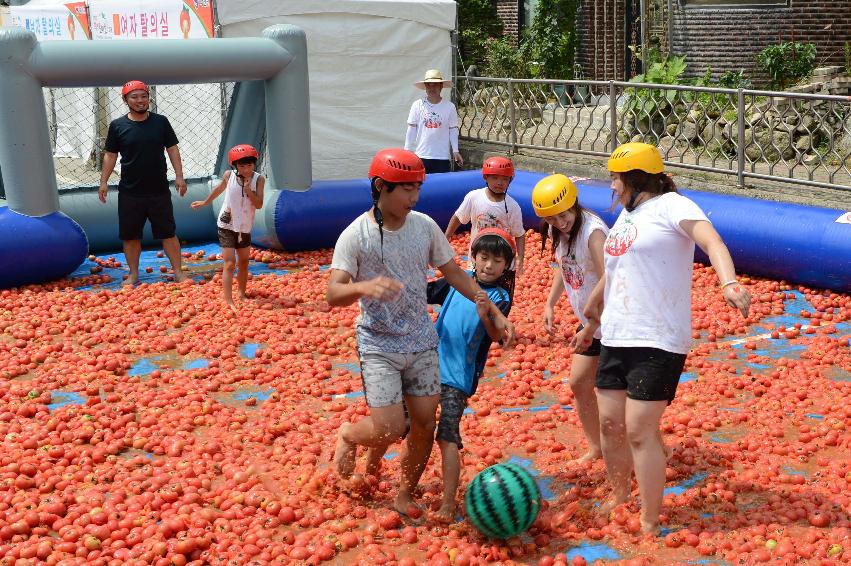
x=243, y=188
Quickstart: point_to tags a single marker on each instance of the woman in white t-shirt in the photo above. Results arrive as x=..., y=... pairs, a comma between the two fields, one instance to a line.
x=646, y=323
x=577, y=236
x=433, y=126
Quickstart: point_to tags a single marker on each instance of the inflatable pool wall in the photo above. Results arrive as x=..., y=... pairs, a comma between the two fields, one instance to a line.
x=803, y=244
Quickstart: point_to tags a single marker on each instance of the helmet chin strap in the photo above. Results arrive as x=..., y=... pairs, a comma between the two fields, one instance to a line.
x=504, y=203
x=630, y=206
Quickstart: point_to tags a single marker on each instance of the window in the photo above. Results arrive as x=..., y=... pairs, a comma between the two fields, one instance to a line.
x=529, y=7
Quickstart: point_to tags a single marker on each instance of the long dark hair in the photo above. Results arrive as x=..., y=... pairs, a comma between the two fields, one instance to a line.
x=497, y=246
x=548, y=231
x=376, y=212
x=640, y=181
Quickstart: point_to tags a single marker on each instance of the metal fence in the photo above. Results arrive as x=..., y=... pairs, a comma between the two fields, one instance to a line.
x=779, y=136
x=78, y=120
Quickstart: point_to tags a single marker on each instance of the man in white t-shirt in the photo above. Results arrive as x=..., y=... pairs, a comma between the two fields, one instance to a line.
x=433, y=126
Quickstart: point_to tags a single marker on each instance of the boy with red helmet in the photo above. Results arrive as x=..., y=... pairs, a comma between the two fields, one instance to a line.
x=244, y=196
x=381, y=260
x=492, y=207
x=143, y=195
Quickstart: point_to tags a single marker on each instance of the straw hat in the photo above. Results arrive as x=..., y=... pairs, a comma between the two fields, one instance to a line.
x=433, y=76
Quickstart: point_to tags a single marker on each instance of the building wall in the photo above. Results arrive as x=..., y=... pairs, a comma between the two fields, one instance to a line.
x=729, y=39
x=509, y=12
x=600, y=31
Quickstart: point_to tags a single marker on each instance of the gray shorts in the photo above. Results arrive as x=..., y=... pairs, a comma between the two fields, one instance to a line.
x=388, y=376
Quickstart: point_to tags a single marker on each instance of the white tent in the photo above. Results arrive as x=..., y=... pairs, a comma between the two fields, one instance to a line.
x=363, y=58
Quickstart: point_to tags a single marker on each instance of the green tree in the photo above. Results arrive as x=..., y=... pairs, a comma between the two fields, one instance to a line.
x=477, y=21
x=552, y=38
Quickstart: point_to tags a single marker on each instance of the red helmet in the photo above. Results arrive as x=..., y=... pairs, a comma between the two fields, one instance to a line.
x=494, y=231
x=498, y=166
x=241, y=151
x=130, y=86
x=397, y=165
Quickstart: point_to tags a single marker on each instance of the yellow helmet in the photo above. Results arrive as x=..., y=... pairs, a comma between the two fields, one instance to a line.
x=636, y=155
x=553, y=195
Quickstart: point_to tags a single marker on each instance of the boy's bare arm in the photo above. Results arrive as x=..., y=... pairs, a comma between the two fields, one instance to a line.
x=520, y=242
x=468, y=287
x=342, y=292
x=483, y=309
x=454, y=223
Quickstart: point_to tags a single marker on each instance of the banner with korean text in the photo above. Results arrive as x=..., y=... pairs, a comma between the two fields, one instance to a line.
x=151, y=19
x=50, y=22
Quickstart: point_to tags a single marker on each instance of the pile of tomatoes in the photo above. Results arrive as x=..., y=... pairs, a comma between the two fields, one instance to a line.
x=173, y=466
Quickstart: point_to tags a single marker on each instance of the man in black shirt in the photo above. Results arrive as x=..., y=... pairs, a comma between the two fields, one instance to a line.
x=143, y=191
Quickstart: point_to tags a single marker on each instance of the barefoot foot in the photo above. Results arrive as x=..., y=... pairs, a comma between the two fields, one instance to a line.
x=180, y=277
x=130, y=281
x=609, y=505
x=446, y=513
x=344, y=455
x=650, y=527
x=591, y=456
x=374, y=458
x=406, y=506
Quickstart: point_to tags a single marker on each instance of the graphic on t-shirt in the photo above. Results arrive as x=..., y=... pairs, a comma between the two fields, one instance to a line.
x=432, y=119
x=489, y=220
x=620, y=238
x=573, y=273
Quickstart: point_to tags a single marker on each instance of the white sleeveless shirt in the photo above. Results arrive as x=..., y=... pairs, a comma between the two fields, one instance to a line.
x=237, y=211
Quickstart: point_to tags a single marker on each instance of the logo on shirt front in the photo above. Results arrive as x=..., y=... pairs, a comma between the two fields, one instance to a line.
x=489, y=220
x=432, y=119
x=620, y=238
x=574, y=275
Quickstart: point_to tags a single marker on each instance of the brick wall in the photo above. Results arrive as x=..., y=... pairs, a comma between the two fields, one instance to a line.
x=728, y=39
x=508, y=11
x=721, y=38
x=600, y=31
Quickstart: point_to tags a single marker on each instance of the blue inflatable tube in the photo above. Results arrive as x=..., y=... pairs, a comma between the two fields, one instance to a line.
x=35, y=249
x=796, y=243
x=802, y=244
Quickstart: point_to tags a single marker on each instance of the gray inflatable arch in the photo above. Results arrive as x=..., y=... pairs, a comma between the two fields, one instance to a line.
x=32, y=229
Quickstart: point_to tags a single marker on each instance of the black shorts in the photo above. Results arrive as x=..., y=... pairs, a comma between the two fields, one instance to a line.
x=593, y=350
x=452, y=404
x=231, y=239
x=135, y=210
x=647, y=374
x=437, y=165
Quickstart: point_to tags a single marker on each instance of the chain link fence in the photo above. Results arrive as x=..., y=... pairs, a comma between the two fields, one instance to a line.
x=78, y=120
x=797, y=138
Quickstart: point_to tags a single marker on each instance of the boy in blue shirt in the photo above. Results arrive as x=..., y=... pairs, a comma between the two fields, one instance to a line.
x=466, y=330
